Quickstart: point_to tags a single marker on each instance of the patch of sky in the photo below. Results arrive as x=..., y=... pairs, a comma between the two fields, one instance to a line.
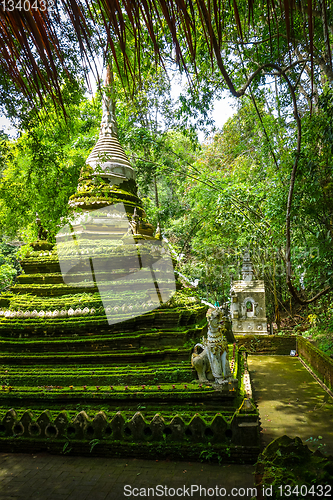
x=222, y=109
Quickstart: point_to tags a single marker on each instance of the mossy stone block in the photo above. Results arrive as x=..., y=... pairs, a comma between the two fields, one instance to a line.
x=245, y=430
x=43, y=421
x=9, y=421
x=218, y=427
x=99, y=424
x=137, y=426
x=26, y=421
x=80, y=423
x=117, y=426
x=196, y=429
x=177, y=428
x=61, y=424
x=157, y=427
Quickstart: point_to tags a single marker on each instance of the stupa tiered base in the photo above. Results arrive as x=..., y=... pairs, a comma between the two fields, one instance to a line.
x=96, y=338
x=149, y=406
x=71, y=382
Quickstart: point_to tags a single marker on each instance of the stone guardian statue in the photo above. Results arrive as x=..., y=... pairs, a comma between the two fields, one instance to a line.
x=215, y=349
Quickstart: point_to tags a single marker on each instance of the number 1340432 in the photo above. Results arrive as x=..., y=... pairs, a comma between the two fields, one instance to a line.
x=314, y=491
x=42, y=5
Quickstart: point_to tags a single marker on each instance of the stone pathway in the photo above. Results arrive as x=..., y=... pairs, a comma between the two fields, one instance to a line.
x=52, y=477
x=291, y=402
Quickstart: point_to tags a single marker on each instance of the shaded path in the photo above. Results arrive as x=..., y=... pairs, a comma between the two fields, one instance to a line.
x=290, y=401
x=52, y=477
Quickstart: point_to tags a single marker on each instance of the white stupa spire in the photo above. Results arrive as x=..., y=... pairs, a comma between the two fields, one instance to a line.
x=247, y=269
x=108, y=159
x=109, y=123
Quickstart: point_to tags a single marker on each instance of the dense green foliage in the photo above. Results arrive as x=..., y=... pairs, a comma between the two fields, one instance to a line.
x=209, y=201
x=282, y=463
x=9, y=266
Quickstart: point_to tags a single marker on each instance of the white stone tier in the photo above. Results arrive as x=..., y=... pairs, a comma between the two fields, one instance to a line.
x=109, y=160
x=253, y=286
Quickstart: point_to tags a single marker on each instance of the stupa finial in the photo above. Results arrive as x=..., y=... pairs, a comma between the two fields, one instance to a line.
x=109, y=122
x=108, y=159
x=247, y=270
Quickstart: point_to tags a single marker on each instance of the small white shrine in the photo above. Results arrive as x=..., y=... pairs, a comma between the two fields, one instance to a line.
x=248, y=309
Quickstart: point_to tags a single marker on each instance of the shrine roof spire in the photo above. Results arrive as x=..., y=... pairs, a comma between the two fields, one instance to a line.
x=109, y=126
x=108, y=159
x=247, y=269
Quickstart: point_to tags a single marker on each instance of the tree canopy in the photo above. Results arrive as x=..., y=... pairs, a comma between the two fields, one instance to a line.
x=265, y=179
x=33, y=42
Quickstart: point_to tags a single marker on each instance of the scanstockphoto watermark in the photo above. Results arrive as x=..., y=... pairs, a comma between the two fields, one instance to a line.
x=188, y=491
x=229, y=261
x=286, y=491
x=101, y=250
x=259, y=254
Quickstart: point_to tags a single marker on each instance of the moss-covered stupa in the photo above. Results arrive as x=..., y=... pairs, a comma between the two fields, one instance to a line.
x=96, y=337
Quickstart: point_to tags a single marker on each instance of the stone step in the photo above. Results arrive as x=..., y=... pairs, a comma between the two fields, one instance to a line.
x=100, y=263
x=51, y=278
x=157, y=340
x=86, y=325
x=60, y=375
x=121, y=357
x=185, y=395
x=58, y=289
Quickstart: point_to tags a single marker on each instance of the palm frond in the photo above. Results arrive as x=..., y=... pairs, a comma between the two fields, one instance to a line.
x=30, y=49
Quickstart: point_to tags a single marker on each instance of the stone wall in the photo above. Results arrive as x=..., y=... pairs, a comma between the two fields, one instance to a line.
x=268, y=344
x=317, y=360
x=234, y=440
